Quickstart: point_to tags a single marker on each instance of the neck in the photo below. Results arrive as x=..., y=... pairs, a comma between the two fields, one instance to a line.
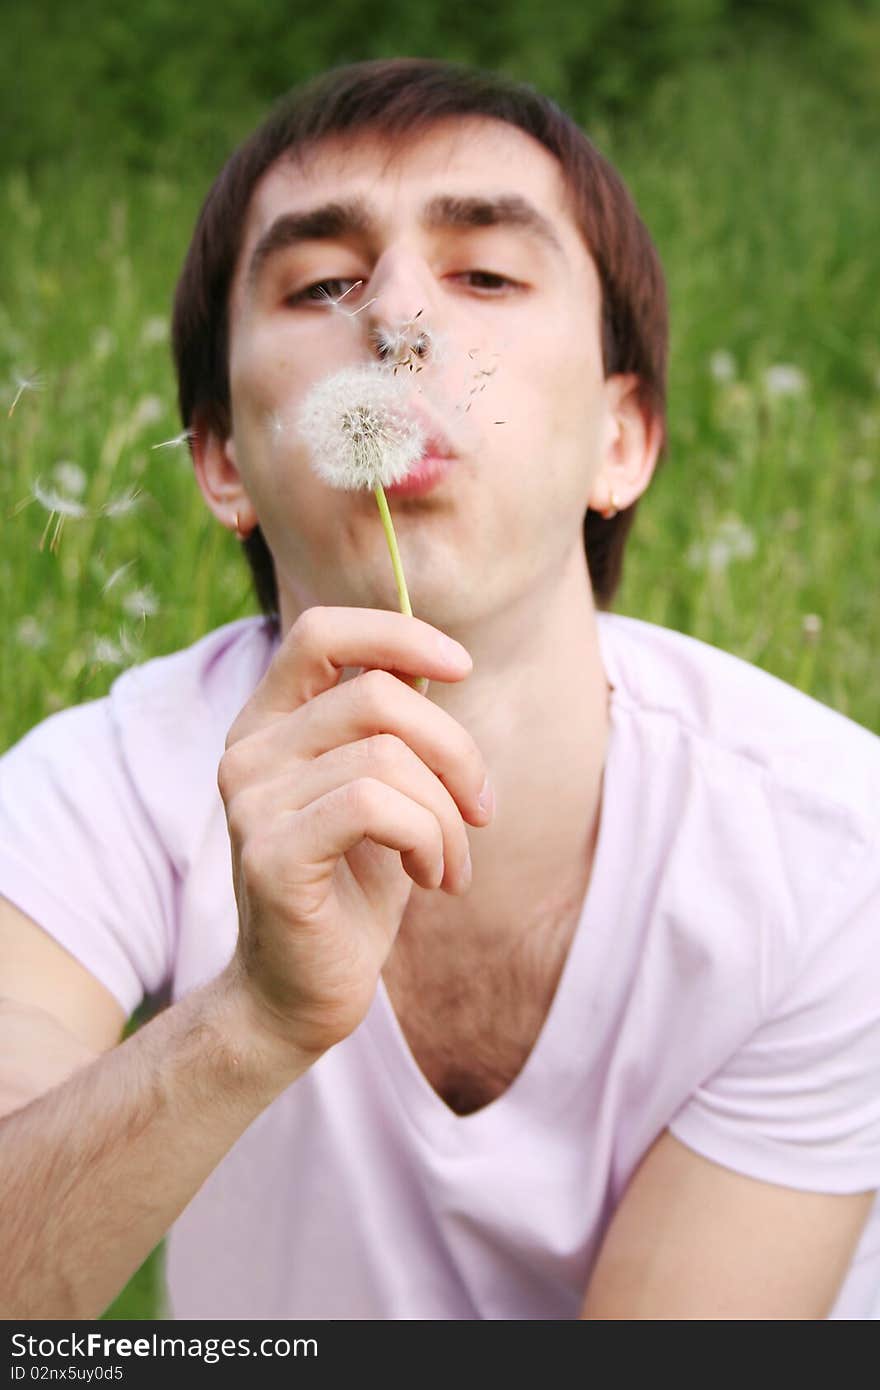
x=536, y=704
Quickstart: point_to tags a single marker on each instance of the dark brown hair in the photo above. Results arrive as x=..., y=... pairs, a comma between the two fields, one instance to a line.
x=398, y=97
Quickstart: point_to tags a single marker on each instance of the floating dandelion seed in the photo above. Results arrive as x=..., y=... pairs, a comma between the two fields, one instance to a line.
x=125, y=502
x=176, y=441
x=116, y=576
x=33, y=382
x=60, y=507
x=361, y=435
x=141, y=603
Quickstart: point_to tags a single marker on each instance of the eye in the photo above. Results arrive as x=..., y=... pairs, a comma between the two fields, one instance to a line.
x=322, y=292
x=490, y=281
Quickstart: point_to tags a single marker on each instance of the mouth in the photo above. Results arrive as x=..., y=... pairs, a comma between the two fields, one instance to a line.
x=425, y=475
x=437, y=458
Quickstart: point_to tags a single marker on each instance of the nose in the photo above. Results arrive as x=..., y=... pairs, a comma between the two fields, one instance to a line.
x=399, y=319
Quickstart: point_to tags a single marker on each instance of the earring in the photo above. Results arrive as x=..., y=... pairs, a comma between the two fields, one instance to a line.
x=613, y=509
x=242, y=535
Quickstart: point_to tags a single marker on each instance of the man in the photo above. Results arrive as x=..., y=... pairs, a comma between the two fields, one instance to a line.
x=552, y=994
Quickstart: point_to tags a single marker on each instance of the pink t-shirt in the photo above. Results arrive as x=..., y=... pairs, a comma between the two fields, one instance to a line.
x=724, y=981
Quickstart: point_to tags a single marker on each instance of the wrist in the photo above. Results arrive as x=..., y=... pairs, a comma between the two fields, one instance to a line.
x=257, y=1052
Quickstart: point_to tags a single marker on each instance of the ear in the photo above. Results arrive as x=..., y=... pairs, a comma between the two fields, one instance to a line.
x=633, y=438
x=218, y=477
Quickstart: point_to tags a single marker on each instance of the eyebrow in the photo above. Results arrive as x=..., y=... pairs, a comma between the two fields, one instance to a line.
x=336, y=221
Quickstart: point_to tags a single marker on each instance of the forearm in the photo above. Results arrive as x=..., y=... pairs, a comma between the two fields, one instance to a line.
x=94, y=1172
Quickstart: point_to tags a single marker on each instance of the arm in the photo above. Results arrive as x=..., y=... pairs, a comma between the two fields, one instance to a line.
x=693, y=1240
x=338, y=798
x=102, y=1146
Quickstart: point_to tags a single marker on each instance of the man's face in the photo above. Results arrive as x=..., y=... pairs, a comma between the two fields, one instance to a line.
x=517, y=383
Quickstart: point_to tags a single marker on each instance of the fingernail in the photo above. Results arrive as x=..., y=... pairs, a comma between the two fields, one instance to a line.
x=454, y=651
x=486, y=799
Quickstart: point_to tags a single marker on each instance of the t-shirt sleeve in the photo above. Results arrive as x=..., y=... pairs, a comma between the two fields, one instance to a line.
x=80, y=855
x=799, y=1103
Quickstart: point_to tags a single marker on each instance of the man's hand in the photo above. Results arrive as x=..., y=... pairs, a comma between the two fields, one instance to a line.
x=692, y=1240
x=338, y=797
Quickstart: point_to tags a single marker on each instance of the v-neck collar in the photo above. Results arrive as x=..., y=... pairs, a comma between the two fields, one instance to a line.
x=552, y=1070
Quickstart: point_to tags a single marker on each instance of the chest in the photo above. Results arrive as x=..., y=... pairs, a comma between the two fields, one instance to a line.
x=472, y=1015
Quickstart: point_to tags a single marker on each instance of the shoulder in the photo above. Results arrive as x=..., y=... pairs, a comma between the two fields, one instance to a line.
x=213, y=677
x=755, y=808
x=755, y=723
x=151, y=746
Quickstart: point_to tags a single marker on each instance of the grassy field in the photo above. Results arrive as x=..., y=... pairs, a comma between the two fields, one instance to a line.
x=760, y=534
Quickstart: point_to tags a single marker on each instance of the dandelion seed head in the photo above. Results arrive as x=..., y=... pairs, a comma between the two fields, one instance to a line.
x=103, y=343
x=148, y=410
x=722, y=366
x=32, y=634
x=784, y=379
x=155, y=330
x=359, y=430
x=70, y=478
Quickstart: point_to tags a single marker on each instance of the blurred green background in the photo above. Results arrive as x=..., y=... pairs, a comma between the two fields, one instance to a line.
x=748, y=133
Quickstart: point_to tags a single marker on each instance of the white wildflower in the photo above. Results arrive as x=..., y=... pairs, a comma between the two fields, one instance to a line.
x=811, y=626
x=358, y=428
x=31, y=634
x=862, y=471
x=148, y=410
x=103, y=343
x=731, y=540
x=70, y=478
x=155, y=330
x=784, y=379
x=722, y=366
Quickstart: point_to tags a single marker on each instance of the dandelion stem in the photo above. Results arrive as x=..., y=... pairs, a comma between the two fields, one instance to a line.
x=421, y=683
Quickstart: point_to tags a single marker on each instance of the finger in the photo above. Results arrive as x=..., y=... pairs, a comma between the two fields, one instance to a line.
x=325, y=640
x=371, y=704
x=382, y=757
x=328, y=828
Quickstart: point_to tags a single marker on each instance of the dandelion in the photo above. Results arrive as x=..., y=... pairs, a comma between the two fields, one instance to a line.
x=361, y=435
x=31, y=634
x=33, y=382
x=70, y=478
x=148, y=410
x=731, y=540
x=103, y=343
x=784, y=379
x=722, y=366
x=154, y=331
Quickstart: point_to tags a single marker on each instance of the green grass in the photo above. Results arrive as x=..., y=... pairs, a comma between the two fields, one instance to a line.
x=760, y=533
